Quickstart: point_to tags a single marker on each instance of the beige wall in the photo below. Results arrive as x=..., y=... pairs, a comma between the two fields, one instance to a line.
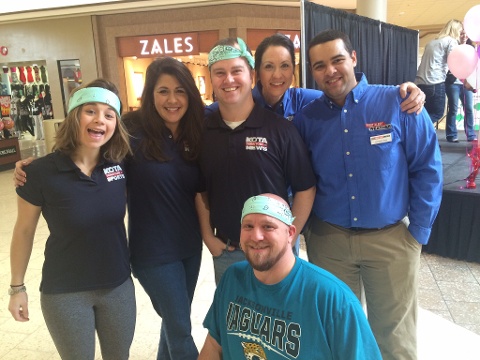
x=52, y=40
x=229, y=20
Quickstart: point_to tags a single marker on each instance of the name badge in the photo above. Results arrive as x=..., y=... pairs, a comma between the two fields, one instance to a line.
x=380, y=139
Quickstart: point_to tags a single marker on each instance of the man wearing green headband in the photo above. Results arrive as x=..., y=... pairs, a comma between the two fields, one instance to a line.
x=278, y=306
x=246, y=150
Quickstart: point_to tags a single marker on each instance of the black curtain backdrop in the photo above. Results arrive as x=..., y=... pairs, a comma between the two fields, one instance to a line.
x=386, y=53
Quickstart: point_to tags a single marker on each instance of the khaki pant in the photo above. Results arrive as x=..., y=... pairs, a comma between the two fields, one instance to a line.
x=385, y=264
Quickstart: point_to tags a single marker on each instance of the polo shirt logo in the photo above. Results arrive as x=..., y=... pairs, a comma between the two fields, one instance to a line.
x=256, y=143
x=114, y=173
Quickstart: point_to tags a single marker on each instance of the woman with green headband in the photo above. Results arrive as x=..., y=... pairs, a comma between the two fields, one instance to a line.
x=80, y=188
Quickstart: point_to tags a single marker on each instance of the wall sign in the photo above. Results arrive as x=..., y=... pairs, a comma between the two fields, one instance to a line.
x=4, y=50
x=255, y=36
x=8, y=151
x=158, y=45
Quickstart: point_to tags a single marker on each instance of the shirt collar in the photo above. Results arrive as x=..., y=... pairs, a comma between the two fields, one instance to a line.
x=254, y=119
x=64, y=163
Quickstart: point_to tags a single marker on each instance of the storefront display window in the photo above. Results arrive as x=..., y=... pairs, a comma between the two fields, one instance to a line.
x=71, y=75
x=25, y=98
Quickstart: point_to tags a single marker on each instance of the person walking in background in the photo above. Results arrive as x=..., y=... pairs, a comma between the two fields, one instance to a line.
x=246, y=150
x=457, y=89
x=278, y=306
x=379, y=188
x=80, y=190
x=432, y=72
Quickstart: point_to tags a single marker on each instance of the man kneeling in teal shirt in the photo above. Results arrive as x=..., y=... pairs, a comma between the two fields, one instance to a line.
x=278, y=306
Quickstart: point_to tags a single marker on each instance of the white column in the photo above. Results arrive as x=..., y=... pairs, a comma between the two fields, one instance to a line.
x=374, y=9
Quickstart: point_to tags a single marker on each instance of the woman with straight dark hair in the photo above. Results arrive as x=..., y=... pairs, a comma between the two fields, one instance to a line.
x=163, y=181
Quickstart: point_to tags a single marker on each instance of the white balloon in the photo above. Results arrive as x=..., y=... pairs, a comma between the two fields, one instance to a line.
x=474, y=78
x=471, y=23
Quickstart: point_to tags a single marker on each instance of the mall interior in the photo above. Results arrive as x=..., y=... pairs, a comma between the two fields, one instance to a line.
x=46, y=53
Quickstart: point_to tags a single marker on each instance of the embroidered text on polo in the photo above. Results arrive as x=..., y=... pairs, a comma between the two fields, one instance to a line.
x=256, y=143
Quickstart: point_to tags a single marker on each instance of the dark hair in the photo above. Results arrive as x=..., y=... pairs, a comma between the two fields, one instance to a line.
x=273, y=40
x=148, y=121
x=330, y=35
x=66, y=138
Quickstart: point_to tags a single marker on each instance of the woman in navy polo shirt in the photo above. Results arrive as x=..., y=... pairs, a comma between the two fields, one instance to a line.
x=163, y=181
x=80, y=190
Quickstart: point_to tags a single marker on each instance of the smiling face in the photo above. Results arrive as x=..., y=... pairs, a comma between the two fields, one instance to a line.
x=97, y=124
x=276, y=73
x=333, y=69
x=265, y=241
x=232, y=81
x=171, y=101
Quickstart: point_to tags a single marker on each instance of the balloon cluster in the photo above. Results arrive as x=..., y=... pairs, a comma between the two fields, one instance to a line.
x=463, y=60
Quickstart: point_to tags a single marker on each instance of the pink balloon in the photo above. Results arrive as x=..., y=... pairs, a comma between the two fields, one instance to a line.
x=471, y=23
x=462, y=60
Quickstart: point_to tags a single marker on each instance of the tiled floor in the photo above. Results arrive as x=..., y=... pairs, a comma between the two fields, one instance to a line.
x=449, y=321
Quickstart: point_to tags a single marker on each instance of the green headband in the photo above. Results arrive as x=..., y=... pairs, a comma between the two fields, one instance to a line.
x=94, y=95
x=268, y=206
x=225, y=52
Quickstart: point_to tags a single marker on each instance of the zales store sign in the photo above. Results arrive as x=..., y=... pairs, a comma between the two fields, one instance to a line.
x=158, y=45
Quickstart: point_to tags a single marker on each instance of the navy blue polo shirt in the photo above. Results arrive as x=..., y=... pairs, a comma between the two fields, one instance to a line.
x=265, y=154
x=87, y=246
x=163, y=224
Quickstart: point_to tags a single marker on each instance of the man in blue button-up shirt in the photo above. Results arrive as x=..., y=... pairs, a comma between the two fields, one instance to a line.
x=379, y=188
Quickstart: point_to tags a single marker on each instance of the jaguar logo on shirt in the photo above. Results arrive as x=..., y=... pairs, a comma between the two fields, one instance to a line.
x=256, y=143
x=114, y=173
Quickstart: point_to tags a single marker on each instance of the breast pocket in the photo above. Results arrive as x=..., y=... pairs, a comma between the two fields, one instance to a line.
x=381, y=150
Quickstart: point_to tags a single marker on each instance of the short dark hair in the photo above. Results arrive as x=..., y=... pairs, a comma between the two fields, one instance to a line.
x=277, y=39
x=330, y=35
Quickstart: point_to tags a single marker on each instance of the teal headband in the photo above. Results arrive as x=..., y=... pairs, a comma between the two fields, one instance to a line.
x=94, y=95
x=225, y=52
x=268, y=206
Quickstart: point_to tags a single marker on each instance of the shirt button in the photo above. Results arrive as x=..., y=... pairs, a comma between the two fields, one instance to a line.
x=345, y=110
x=355, y=219
x=346, y=130
x=170, y=136
x=353, y=197
x=350, y=175
x=348, y=153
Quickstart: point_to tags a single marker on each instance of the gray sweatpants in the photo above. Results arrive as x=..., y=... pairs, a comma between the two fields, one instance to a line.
x=72, y=319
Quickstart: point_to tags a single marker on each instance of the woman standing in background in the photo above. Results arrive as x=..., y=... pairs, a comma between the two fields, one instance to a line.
x=432, y=72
